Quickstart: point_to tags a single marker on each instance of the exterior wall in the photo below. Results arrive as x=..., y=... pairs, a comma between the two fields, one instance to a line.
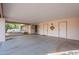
x=72, y=28
x=40, y=29
x=33, y=29
x=55, y=31
x=25, y=28
x=2, y=29
x=29, y=28
x=45, y=29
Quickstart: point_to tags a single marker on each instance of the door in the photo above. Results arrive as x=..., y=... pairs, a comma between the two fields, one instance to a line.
x=45, y=29
x=36, y=29
x=62, y=29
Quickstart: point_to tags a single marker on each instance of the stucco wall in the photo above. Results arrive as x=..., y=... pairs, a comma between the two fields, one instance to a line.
x=29, y=28
x=72, y=28
x=2, y=29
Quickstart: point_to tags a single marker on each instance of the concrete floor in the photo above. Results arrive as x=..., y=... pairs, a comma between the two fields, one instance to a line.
x=37, y=45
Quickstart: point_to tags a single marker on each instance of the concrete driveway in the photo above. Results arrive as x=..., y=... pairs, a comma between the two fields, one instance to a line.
x=37, y=45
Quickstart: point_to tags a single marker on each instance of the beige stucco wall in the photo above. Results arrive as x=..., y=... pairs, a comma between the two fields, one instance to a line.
x=26, y=28
x=40, y=29
x=2, y=29
x=72, y=28
x=29, y=28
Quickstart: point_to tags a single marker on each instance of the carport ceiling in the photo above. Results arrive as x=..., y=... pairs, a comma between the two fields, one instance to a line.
x=36, y=13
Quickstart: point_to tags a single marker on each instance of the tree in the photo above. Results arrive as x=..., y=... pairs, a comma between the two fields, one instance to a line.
x=11, y=26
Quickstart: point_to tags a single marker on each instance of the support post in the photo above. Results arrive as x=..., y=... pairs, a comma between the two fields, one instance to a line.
x=2, y=29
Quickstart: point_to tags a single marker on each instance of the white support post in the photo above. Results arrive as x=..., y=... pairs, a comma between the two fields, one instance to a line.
x=2, y=29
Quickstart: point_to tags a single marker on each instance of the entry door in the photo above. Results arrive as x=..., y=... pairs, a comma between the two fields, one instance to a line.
x=62, y=29
x=45, y=29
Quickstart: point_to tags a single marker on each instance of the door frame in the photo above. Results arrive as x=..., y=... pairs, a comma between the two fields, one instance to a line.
x=59, y=28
